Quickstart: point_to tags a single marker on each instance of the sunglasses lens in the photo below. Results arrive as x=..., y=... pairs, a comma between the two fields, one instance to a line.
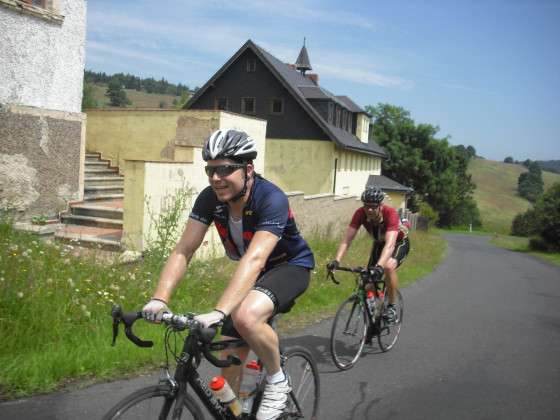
x=222, y=170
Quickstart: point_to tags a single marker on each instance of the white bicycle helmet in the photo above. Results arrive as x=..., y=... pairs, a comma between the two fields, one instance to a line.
x=229, y=144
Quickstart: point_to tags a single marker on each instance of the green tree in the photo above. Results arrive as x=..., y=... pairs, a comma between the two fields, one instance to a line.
x=117, y=95
x=436, y=170
x=88, y=101
x=530, y=184
x=508, y=159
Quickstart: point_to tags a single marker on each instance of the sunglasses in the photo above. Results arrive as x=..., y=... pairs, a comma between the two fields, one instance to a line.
x=222, y=170
x=371, y=206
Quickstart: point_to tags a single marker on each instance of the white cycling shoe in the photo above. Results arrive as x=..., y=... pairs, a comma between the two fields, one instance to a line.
x=274, y=400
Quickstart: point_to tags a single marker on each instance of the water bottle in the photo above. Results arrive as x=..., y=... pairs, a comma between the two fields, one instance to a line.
x=223, y=393
x=248, y=388
x=370, y=301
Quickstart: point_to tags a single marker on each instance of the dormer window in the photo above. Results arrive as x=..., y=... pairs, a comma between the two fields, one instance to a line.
x=251, y=65
x=338, y=112
x=331, y=112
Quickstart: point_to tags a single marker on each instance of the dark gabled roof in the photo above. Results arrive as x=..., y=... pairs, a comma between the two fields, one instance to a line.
x=294, y=82
x=302, y=62
x=387, y=184
x=351, y=105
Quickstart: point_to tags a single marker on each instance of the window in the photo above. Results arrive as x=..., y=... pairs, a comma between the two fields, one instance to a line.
x=344, y=119
x=331, y=112
x=337, y=123
x=350, y=122
x=277, y=106
x=248, y=105
x=251, y=65
x=221, y=103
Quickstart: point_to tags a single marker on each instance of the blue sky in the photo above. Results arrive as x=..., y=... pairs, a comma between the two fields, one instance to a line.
x=487, y=72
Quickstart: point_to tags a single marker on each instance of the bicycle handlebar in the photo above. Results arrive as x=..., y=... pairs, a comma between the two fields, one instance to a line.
x=177, y=322
x=363, y=271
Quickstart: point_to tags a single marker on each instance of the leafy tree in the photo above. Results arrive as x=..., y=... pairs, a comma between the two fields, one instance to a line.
x=508, y=159
x=88, y=101
x=436, y=170
x=116, y=94
x=530, y=184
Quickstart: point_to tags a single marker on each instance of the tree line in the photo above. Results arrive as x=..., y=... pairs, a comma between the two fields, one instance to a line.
x=129, y=81
x=436, y=170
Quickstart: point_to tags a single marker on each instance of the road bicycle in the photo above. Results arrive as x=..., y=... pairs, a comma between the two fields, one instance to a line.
x=360, y=318
x=169, y=399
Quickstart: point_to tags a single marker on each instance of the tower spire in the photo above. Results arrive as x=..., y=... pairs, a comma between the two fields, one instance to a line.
x=302, y=62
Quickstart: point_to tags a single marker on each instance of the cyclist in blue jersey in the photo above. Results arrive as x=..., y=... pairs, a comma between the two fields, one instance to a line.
x=257, y=228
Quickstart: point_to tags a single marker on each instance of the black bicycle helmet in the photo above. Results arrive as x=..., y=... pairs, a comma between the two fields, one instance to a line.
x=373, y=195
x=229, y=144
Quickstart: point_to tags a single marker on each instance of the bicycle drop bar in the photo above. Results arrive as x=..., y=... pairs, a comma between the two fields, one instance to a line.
x=359, y=270
x=178, y=322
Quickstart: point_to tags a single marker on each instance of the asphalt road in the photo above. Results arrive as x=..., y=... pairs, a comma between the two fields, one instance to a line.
x=480, y=340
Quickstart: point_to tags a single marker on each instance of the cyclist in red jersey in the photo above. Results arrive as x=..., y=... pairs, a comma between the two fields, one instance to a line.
x=391, y=244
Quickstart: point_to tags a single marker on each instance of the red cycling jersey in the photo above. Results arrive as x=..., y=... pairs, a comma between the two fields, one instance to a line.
x=390, y=222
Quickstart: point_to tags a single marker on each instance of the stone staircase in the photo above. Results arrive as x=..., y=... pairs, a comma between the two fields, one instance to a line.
x=98, y=219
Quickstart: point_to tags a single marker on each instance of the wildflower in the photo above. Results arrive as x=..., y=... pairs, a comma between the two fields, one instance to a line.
x=1, y=279
x=20, y=294
x=49, y=281
x=66, y=261
x=70, y=282
x=87, y=313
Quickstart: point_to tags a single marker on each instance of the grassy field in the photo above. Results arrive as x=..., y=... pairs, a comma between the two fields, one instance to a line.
x=496, y=192
x=54, y=307
x=517, y=244
x=139, y=99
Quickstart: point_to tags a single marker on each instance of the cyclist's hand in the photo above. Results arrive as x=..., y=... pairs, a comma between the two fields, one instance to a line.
x=209, y=319
x=377, y=272
x=154, y=310
x=333, y=265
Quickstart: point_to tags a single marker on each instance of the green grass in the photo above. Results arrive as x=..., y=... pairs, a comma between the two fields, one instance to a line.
x=54, y=307
x=519, y=244
x=496, y=192
x=138, y=99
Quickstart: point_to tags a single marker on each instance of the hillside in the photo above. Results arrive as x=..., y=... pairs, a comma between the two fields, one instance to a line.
x=496, y=192
x=139, y=99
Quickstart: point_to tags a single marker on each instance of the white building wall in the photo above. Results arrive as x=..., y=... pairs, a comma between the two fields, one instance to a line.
x=41, y=61
x=353, y=172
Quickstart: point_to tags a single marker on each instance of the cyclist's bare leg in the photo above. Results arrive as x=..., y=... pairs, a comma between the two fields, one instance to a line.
x=393, y=283
x=250, y=320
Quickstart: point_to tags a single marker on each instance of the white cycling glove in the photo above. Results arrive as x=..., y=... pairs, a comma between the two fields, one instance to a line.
x=211, y=318
x=154, y=309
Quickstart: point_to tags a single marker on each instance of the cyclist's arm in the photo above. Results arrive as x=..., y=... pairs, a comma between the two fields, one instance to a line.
x=247, y=271
x=346, y=242
x=179, y=259
x=388, y=248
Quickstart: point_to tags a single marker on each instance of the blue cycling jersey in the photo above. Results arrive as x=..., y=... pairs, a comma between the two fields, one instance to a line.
x=267, y=209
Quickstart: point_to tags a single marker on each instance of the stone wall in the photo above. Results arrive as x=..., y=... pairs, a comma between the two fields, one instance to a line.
x=41, y=166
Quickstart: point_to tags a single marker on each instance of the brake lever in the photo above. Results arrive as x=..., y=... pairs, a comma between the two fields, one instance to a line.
x=116, y=313
x=330, y=275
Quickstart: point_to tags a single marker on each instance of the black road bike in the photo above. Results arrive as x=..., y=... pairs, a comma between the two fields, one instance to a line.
x=169, y=399
x=359, y=319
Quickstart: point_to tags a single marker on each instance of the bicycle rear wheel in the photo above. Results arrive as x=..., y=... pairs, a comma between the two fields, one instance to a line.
x=348, y=333
x=389, y=332
x=153, y=403
x=299, y=364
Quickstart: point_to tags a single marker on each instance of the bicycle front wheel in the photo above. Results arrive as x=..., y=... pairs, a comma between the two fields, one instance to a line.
x=155, y=402
x=389, y=331
x=303, y=403
x=348, y=333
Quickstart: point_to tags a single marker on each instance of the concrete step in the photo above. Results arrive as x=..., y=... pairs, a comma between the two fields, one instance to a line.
x=94, y=221
x=114, y=182
x=96, y=163
x=102, y=189
x=91, y=236
x=93, y=210
x=93, y=155
x=101, y=171
x=102, y=197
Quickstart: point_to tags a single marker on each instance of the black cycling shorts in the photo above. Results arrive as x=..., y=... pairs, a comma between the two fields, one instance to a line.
x=282, y=284
x=401, y=251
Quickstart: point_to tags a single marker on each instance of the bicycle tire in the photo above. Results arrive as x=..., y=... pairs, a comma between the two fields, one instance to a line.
x=133, y=407
x=304, y=399
x=388, y=333
x=348, y=333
